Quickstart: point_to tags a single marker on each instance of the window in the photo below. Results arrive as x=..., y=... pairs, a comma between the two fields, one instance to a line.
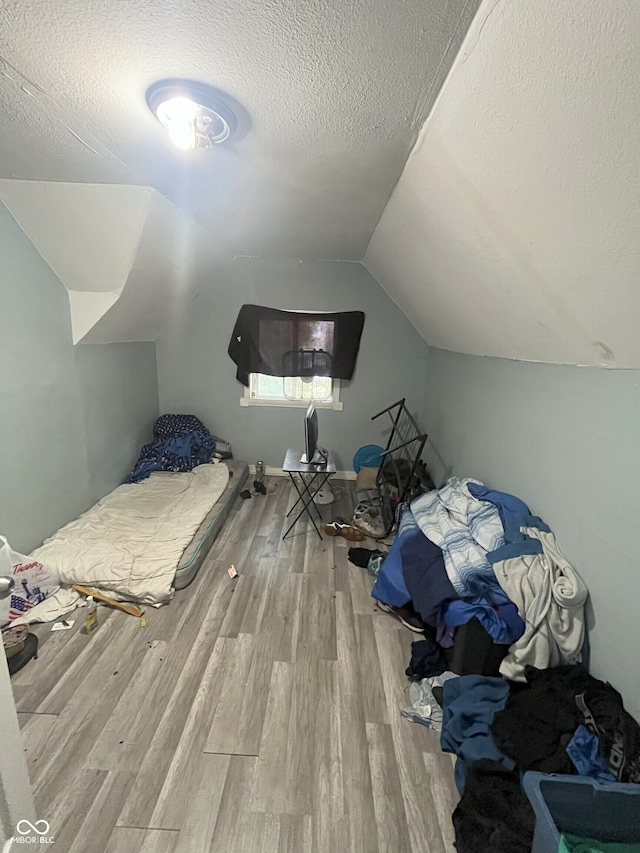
x=273, y=342
x=295, y=391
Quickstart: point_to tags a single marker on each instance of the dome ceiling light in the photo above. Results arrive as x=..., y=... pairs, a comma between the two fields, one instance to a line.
x=195, y=114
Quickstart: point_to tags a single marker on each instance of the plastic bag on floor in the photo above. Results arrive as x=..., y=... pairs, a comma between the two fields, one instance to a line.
x=424, y=705
x=33, y=583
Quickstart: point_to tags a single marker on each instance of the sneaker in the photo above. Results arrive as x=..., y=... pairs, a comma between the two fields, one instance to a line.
x=361, y=556
x=406, y=615
x=370, y=526
x=345, y=530
x=363, y=510
x=374, y=564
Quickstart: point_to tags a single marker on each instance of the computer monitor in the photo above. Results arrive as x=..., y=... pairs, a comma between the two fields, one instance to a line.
x=313, y=453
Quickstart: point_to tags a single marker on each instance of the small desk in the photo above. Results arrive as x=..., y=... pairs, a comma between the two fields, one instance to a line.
x=310, y=475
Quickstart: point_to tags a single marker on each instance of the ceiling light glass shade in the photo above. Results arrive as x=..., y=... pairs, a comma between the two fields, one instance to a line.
x=194, y=114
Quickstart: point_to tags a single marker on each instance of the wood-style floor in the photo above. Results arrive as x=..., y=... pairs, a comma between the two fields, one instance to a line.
x=249, y=716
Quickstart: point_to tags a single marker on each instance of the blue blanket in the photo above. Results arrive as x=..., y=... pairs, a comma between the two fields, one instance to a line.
x=424, y=573
x=469, y=703
x=180, y=443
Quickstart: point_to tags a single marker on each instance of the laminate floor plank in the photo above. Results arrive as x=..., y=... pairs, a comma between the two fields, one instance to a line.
x=295, y=833
x=115, y=747
x=341, y=565
x=280, y=625
x=270, y=785
x=443, y=792
x=241, y=588
x=116, y=639
x=277, y=510
x=236, y=821
x=328, y=824
x=41, y=670
x=96, y=828
x=66, y=809
x=318, y=558
x=243, y=680
x=130, y=839
x=294, y=546
x=57, y=675
x=358, y=796
x=190, y=662
x=36, y=730
x=86, y=713
x=391, y=820
x=360, y=585
x=237, y=547
x=180, y=781
x=201, y=808
x=409, y=744
x=317, y=624
x=371, y=686
x=256, y=714
x=268, y=572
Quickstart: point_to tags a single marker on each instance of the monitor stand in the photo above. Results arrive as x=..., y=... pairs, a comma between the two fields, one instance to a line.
x=320, y=457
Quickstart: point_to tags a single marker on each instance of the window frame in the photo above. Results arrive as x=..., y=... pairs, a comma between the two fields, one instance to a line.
x=335, y=404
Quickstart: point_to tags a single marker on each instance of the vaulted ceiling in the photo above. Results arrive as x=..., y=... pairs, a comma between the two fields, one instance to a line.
x=332, y=95
x=515, y=228
x=510, y=230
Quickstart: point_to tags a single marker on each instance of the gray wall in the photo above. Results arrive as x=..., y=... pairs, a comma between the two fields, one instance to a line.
x=565, y=440
x=71, y=419
x=196, y=375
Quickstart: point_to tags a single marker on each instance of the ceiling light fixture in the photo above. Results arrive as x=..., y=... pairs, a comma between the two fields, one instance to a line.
x=195, y=115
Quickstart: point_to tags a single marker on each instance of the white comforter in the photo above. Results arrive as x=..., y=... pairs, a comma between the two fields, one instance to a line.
x=550, y=597
x=129, y=544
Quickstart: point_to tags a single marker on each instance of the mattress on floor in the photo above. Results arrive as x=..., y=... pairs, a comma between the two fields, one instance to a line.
x=194, y=554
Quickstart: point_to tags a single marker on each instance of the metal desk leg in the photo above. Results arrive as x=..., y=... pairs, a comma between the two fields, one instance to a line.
x=306, y=497
x=306, y=489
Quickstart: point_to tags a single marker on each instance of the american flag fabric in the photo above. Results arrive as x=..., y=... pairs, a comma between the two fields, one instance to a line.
x=18, y=607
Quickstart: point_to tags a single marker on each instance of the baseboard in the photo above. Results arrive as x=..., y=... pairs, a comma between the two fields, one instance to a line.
x=278, y=472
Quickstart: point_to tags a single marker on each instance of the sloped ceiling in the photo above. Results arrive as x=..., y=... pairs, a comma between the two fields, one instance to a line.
x=332, y=97
x=514, y=230
x=88, y=234
x=173, y=261
x=127, y=256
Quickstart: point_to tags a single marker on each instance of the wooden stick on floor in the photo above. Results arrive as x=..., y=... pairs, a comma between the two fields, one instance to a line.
x=132, y=609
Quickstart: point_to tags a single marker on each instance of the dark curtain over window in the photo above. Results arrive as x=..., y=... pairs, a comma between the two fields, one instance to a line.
x=263, y=336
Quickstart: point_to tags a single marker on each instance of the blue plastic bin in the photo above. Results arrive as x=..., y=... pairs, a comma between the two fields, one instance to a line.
x=582, y=806
x=368, y=456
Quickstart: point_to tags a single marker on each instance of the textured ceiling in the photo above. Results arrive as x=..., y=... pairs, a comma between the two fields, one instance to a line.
x=334, y=94
x=514, y=229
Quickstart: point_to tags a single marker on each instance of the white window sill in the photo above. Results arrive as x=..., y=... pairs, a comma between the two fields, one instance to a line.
x=335, y=406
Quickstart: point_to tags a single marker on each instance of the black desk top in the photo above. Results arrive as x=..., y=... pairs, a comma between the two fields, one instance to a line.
x=293, y=465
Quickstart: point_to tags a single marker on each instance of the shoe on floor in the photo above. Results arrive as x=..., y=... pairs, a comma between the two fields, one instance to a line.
x=363, y=510
x=370, y=526
x=406, y=615
x=361, y=556
x=347, y=531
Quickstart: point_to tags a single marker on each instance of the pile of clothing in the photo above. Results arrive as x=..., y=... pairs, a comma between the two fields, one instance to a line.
x=561, y=720
x=180, y=442
x=465, y=551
